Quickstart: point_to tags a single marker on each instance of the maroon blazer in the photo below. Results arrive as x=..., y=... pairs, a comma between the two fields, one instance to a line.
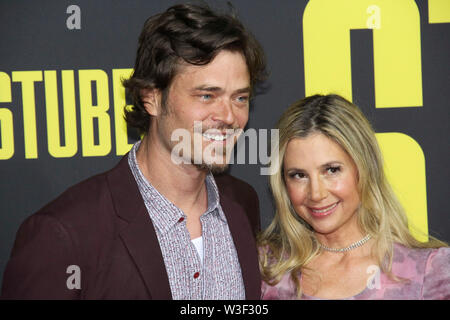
x=102, y=226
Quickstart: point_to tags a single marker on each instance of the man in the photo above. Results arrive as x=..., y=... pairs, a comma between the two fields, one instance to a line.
x=159, y=225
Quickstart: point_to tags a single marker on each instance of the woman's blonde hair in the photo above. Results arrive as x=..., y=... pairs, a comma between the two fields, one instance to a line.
x=289, y=243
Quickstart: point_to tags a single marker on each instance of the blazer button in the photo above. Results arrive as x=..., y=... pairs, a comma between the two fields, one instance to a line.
x=196, y=275
x=181, y=219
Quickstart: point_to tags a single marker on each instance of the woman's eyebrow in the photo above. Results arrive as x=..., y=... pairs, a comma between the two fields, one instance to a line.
x=331, y=163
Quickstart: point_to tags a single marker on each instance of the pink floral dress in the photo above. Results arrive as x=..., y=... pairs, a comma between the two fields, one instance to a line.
x=428, y=272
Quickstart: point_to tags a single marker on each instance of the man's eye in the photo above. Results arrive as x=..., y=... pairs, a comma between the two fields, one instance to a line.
x=206, y=97
x=242, y=99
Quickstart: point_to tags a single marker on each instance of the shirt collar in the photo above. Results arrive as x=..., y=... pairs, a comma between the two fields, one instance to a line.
x=164, y=213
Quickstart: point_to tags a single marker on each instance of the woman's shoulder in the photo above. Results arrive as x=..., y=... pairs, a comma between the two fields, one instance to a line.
x=418, y=259
x=436, y=283
x=281, y=289
x=428, y=266
x=406, y=255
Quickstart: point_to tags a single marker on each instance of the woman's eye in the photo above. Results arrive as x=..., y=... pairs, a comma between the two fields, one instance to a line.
x=333, y=170
x=297, y=175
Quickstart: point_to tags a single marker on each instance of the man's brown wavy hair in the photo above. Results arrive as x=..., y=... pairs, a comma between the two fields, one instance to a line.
x=187, y=33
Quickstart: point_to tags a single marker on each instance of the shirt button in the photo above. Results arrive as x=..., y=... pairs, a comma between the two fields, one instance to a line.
x=181, y=219
x=196, y=275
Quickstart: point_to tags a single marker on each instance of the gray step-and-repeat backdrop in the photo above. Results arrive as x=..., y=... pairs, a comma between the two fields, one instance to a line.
x=61, y=99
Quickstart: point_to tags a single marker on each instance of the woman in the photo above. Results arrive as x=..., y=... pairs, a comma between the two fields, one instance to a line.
x=339, y=231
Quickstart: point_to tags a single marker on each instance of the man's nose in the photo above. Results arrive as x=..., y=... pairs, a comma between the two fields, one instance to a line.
x=225, y=112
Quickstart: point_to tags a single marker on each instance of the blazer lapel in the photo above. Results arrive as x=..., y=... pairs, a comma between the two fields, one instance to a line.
x=139, y=234
x=244, y=242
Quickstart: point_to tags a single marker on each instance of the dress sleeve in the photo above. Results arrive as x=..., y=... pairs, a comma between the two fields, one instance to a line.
x=269, y=292
x=283, y=290
x=436, y=283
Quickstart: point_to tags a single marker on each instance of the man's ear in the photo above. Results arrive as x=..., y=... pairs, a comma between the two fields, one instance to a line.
x=151, y=100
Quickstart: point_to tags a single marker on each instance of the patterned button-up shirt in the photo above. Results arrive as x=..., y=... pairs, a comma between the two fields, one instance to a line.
x=219, y=276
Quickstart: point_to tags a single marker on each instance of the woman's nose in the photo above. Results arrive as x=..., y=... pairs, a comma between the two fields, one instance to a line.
x=317, y=190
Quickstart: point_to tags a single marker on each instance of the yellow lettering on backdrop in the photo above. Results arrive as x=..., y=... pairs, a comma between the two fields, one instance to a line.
x=408, y=178
x=88, y=112
x=6, y=119
x=28, y=78
x=70, y=121
x=398, y=79
x=396, y=45
x=122, y=145
x=438, y=11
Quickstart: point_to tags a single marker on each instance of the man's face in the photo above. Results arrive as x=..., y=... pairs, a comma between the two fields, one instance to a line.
x=213, y=97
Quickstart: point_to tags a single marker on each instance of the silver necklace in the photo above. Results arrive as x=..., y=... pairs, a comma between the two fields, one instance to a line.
x=350, y=247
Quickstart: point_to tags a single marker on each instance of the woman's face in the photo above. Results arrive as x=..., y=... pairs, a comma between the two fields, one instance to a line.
x=321, y=181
